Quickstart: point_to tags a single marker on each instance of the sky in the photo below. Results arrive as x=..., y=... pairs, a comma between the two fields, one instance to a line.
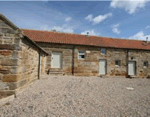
x=117, y=19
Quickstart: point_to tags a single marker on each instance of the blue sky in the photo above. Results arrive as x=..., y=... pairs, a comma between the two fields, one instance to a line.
x=127, y=19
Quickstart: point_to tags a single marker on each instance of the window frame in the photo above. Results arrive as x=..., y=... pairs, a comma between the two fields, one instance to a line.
x=81, y=54
x=105, y=51
x=119, y=63
x=145, y=66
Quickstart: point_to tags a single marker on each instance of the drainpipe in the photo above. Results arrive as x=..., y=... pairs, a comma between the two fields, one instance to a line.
x=73, y=60
x=127, y=62
x=39, y=65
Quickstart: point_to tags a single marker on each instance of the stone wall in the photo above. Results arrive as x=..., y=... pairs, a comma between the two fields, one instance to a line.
x=66, y=56
x=19, y=60
x=139, y=56
x=9, y=47
x=90, y=65
x=43, y=64
x=29, y=60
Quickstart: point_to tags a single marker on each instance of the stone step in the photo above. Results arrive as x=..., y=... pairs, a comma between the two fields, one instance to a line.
x=56, y=73
x=133, y=76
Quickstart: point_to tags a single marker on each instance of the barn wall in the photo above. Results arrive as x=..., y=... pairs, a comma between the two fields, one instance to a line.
x=18, y=60
x=90, y=65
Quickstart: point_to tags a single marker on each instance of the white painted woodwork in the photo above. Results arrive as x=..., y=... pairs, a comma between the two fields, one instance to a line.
x=56, y=60
x=131, y=68
x=102, y=67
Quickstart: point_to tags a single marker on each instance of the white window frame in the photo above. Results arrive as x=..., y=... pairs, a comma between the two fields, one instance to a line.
x=81, y=54
x=105, y=51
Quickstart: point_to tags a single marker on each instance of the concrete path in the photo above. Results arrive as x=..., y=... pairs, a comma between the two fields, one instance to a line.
x=82, y=96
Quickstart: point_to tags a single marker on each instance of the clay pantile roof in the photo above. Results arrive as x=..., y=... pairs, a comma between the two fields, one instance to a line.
x=76, y=39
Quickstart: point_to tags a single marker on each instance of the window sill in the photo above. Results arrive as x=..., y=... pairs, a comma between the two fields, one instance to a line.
x=81, y=59
x=144, y=67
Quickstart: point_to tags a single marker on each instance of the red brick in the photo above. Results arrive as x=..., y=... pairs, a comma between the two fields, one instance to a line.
x=5, y=52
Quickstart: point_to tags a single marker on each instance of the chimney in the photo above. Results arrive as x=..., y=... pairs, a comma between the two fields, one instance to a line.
x=146, y=39
x=87, y=34
x=54, y=30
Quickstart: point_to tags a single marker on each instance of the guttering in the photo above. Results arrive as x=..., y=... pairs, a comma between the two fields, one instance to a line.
x=73, y=60
x=39, y=65
x=127, y=63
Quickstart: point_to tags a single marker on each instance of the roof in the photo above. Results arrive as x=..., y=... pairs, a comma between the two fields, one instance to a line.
x=76, y=39
x=8, y=22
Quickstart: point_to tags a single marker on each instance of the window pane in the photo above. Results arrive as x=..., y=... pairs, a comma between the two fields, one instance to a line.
x=81, y=54
x=145, y=64
x=117, y=62
x=103, y=50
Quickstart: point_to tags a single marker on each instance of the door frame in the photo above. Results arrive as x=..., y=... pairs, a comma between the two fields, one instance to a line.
x=105, y=67
x=60, y=60
x=134, y=69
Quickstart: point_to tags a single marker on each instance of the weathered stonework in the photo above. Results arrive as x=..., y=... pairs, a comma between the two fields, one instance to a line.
x=19, y=60
x=90, y=65
x=66, y=56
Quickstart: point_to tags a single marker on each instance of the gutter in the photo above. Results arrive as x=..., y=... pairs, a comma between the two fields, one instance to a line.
x=73, y=59
x=39, y=65
x=127, y=63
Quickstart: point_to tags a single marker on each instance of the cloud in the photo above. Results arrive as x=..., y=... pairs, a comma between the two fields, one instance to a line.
x=115, y=28
x=63, y=28
x=98, y=19
x=140, y=36
x=147, y=27
x=91, y=32
x=131, y=6
x=89, y=17
x=68, y=19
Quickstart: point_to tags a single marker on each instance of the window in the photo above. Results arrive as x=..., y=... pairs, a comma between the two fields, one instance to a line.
x=81, y=55
x=117, y=62
x=103, y=51
x=145, y=63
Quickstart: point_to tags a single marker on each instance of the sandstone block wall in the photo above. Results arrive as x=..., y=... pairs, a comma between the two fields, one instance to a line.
x=66, y=56
x=19, y=60
x=9, y=47
x=90, y=65
x=43, y=64
x=139, y=56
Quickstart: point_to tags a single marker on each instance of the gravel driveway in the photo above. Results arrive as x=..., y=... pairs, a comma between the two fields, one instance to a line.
x=82, y=96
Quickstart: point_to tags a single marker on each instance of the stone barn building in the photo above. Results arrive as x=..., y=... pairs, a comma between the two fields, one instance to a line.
x=21, y=60
x=27, y=54
x=84, y=55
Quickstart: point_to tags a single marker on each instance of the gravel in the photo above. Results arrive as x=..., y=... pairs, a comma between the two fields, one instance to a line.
x=82, y=96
